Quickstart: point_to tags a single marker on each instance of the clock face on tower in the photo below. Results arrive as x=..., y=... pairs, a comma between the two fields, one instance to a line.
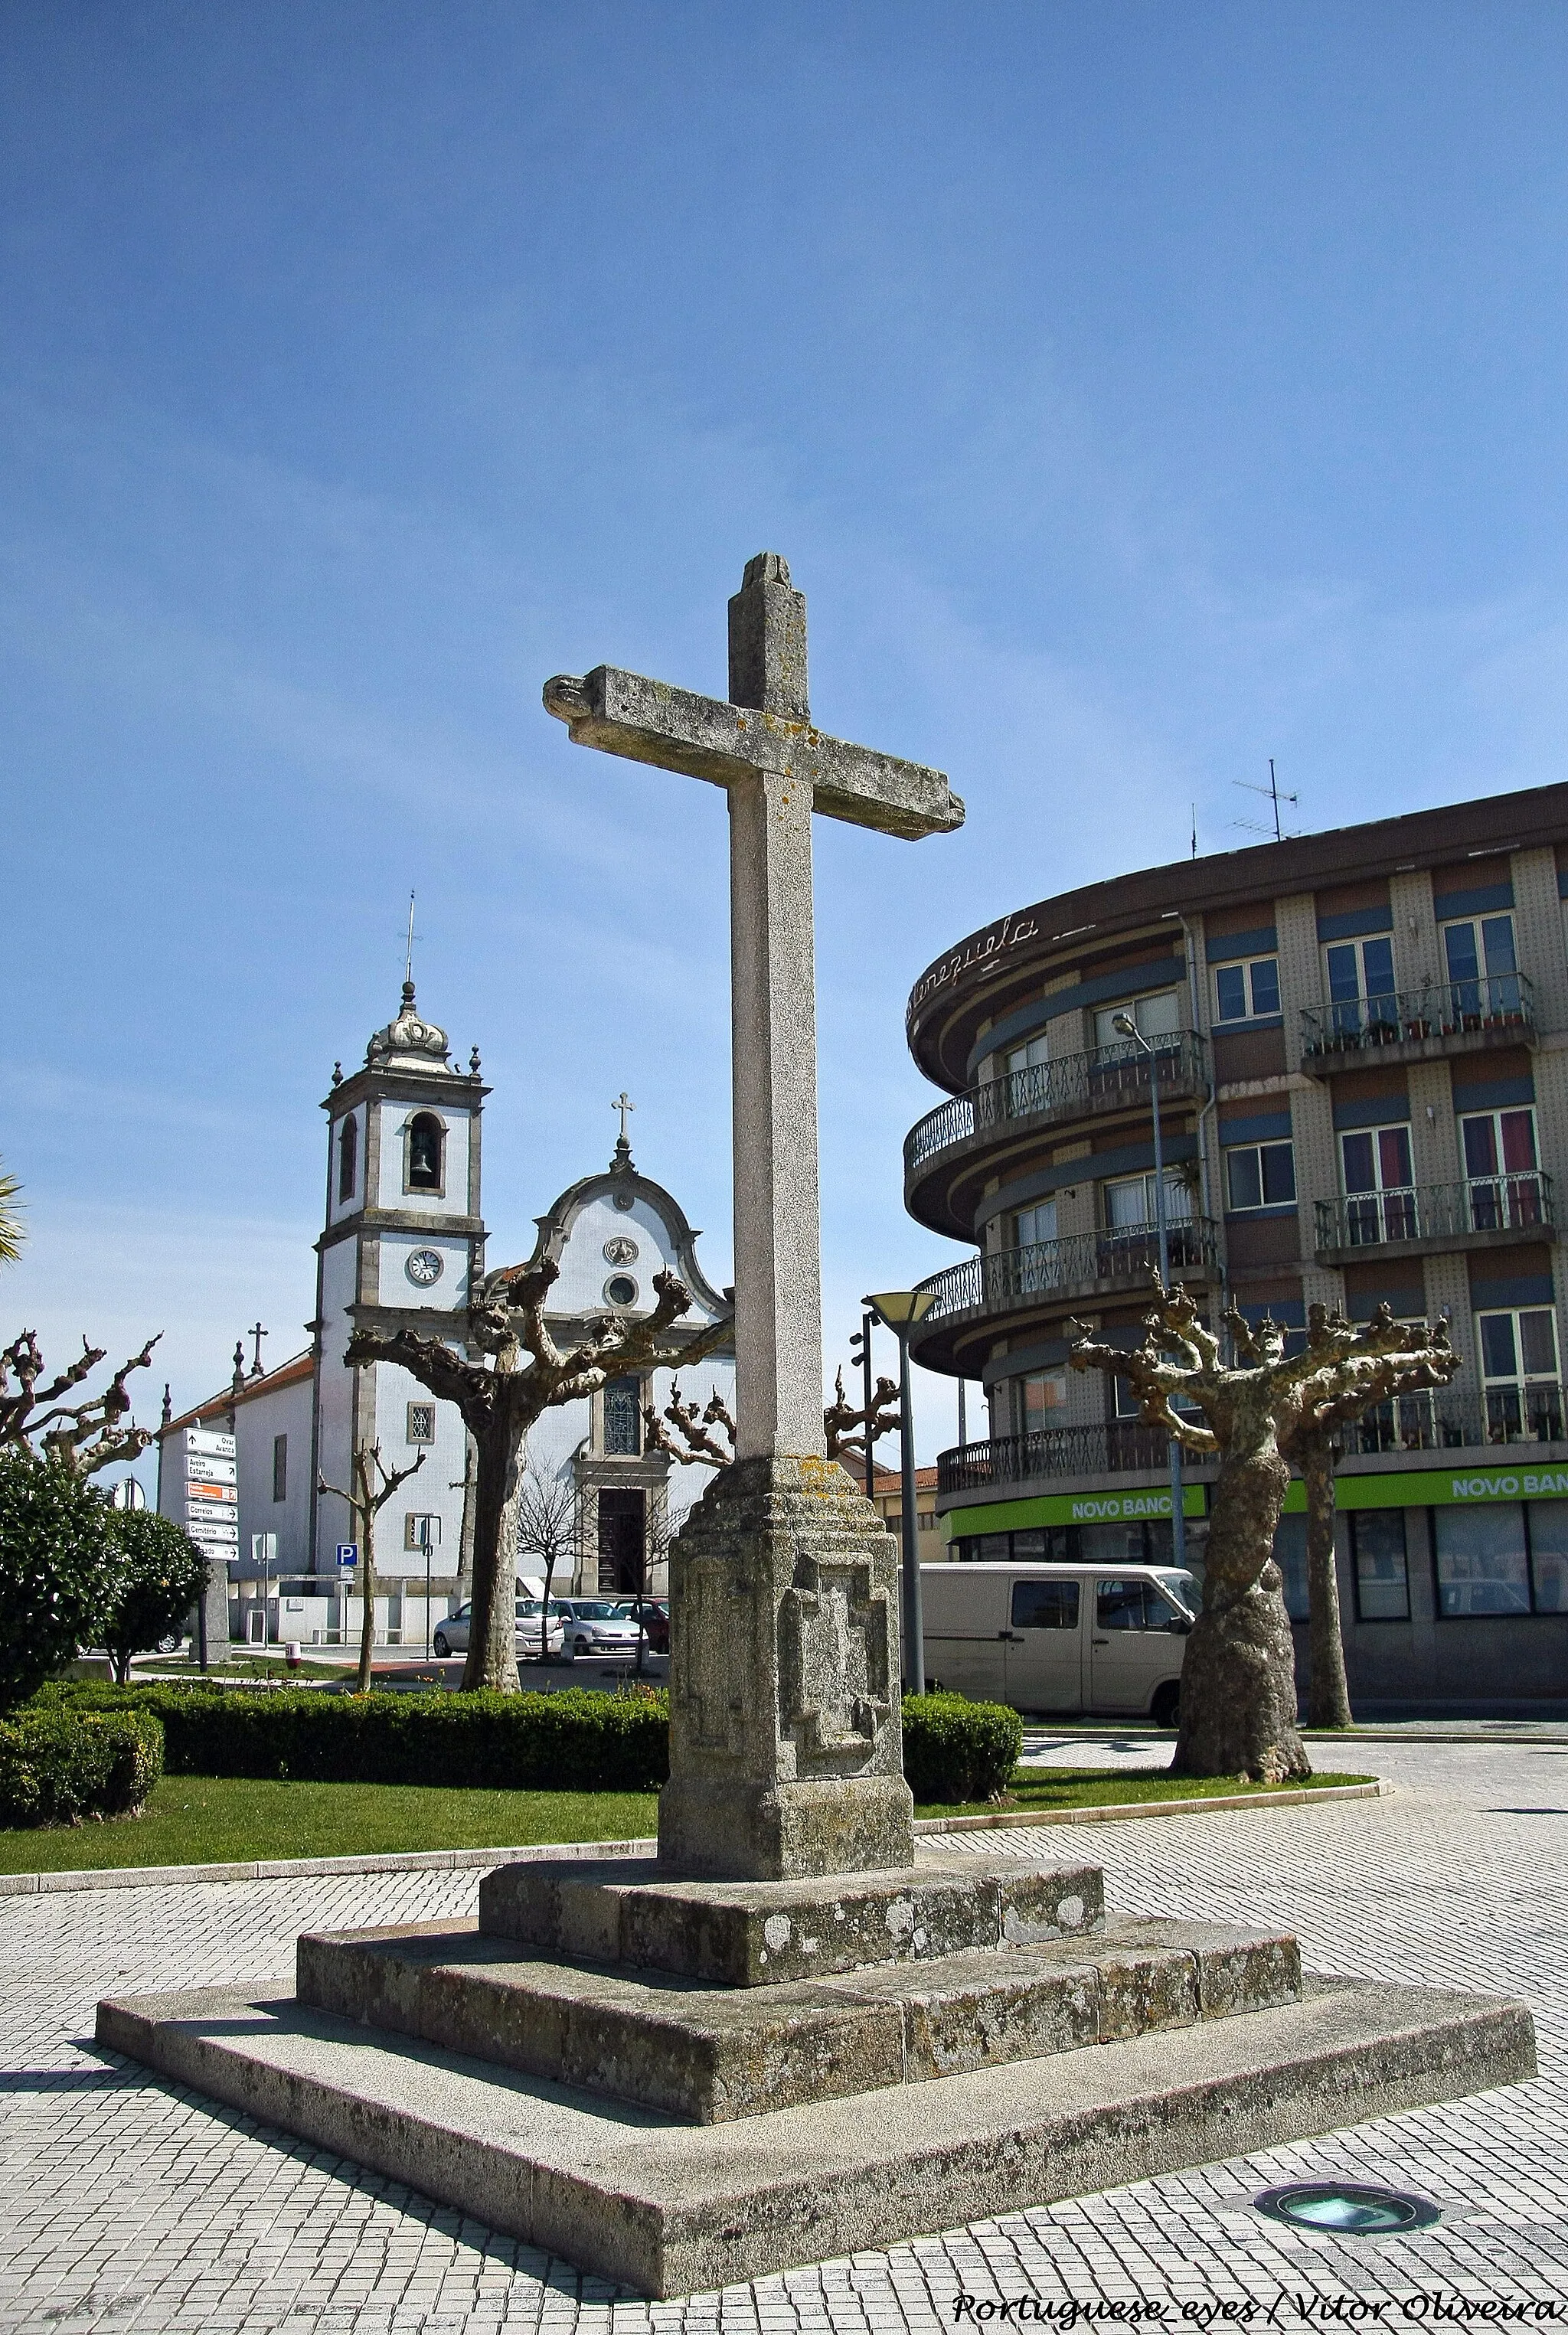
x=424, y=1267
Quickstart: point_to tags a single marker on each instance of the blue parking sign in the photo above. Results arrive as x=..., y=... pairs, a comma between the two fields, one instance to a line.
x=348, y=1552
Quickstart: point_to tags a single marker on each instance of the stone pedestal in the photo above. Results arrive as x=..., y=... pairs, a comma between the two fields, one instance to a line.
x=786, y=1753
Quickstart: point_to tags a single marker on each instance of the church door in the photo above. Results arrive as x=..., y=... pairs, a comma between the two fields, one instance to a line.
x=622, y=1543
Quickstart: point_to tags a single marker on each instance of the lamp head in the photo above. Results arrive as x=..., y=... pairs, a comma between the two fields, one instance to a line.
x=900, y=1309
x=1126, y=1025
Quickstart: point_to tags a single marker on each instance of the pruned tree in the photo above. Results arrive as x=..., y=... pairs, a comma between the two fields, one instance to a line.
x=690, y=1444
x=1395, y=1360
x=841, y=1419
x=547, y=1509
x=501, y=1397
x=366, y=1498
x=157, y=1576
x=1238, y=1703
x=86, y=1436
x=57, y=1568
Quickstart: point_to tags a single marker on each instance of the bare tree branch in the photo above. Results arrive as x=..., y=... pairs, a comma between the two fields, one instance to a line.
x=84, y=1436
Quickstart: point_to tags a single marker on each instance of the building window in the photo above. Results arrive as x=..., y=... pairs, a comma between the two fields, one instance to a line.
x=1501, y=1170
x=347, y=1157
x=623, y=1417
x=280, y=1467
x=1483, y=970
x=1379, y=1197
x=1381, y=1573
x=1260, y=1176
x=1130, y=1203
x=1248, y=990
x=1027, y=1078
x=426, y=1145
x=422, y=1532
x=1154, y=1018
x=1518, y=1353
x=1290, y=1557
x=1031, y=1226
x=1361, y=981
x=926, y=1520
x=422, y=1428
x=1041, y=1397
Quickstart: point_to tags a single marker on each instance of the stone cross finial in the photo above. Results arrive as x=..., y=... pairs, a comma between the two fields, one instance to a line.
x=767, y=640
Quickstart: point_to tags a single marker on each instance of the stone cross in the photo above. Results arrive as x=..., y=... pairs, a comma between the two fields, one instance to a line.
x=777, y=770
x=623, y=1103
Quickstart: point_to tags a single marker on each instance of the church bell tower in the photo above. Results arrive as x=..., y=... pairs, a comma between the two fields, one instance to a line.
x=403, y=1241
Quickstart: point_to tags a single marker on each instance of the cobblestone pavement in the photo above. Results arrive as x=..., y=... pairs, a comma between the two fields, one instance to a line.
x=126, y=2204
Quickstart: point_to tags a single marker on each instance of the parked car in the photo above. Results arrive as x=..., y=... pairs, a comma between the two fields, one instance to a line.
x=601, y=1626
x=1100, y=1639
x=453, y=1635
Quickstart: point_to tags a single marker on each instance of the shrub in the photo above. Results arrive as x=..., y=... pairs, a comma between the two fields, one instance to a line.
x=158, y=1576
x=58, y=1766
x=568, y=1742
x=574, y=1742
x=55, y=1561
x=956, y=1750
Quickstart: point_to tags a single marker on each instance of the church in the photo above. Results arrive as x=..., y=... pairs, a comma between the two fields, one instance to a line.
x=402, y=1243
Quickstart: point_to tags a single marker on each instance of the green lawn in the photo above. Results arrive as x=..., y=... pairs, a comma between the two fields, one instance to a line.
x=225, y=1820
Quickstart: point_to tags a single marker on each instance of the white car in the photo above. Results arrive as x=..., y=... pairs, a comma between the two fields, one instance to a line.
x=452, y=1636
x=599, y=1625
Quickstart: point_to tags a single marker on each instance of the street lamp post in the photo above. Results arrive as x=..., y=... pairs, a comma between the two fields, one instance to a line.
x=899, y=1310
x=1179, y=1522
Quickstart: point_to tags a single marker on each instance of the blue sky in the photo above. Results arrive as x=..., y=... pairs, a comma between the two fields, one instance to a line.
x=1136, y=392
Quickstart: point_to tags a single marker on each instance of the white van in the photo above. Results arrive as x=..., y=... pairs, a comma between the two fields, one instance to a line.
x=1061, y=1638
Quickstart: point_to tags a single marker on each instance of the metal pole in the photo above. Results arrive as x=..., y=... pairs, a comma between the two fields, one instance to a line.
x=427, y=1533
x=1177, y=1496
x=914, y=1618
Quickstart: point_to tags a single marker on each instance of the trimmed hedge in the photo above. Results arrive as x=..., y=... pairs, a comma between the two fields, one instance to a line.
x=956, y=1750
x=573, y=1741
x=59, y=1766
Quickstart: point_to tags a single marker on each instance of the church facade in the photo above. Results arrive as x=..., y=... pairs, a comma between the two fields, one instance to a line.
x=403, y=1241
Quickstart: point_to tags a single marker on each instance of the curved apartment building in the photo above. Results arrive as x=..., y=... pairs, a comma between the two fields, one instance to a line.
x=1360, y=1041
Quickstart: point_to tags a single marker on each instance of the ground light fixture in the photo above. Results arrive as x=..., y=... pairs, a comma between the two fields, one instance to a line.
x=1348, y=2209
x=899, y=1310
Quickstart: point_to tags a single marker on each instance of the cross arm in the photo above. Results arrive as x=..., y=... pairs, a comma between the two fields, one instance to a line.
x=707, y=738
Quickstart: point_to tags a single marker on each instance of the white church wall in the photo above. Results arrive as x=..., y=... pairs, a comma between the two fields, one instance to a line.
x=436, y=1490
x=258, y=1421
x=334, y=1398
x=447, y=1293
x=585, y=1271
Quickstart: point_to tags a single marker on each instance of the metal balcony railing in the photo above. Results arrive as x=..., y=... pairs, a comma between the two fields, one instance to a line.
x=1438, y=1420
x=1442, y=1420
x=1481, y=1204
x=999, y=1283
x=1123, y=1447
x=1111, y=1074
x=1442, y=1008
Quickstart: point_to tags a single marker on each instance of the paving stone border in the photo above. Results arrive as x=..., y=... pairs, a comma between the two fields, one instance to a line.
x=449, y=1860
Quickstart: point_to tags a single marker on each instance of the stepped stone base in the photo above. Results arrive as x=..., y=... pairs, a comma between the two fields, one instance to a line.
x=675, y=2208
x=714, y=2054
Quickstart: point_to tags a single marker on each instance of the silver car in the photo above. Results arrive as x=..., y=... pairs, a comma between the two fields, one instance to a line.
x=599, y=1625
x=453, y=1635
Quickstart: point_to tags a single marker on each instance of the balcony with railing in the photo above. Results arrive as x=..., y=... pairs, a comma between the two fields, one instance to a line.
x=1087, y=1264
x=1436, y=1420
x=1414, y=1025
x=1077, y=1086
x=1482, y=1212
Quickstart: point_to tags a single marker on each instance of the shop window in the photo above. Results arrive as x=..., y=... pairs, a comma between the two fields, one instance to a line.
x=1546, y=1523
x=1260, y=1176
x=1290, y=1557
x=1248, y=990
x=1381, y=1572
x=1483, y=1561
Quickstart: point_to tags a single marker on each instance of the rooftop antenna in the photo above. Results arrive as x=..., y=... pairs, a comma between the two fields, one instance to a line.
x=1272, y=790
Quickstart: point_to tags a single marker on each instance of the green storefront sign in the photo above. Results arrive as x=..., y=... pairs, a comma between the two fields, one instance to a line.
x=1424, y=1488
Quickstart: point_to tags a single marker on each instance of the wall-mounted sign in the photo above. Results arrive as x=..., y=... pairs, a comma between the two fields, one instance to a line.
x=1072, y=1508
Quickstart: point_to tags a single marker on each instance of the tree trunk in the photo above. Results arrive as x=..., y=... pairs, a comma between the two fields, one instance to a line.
x=492, y=1655
x=1238, y=1698
x=1328, y=1692
x=367, y=1627
x=466, y=1539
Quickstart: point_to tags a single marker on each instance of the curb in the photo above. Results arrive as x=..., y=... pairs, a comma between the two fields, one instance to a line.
x=451, y=1860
